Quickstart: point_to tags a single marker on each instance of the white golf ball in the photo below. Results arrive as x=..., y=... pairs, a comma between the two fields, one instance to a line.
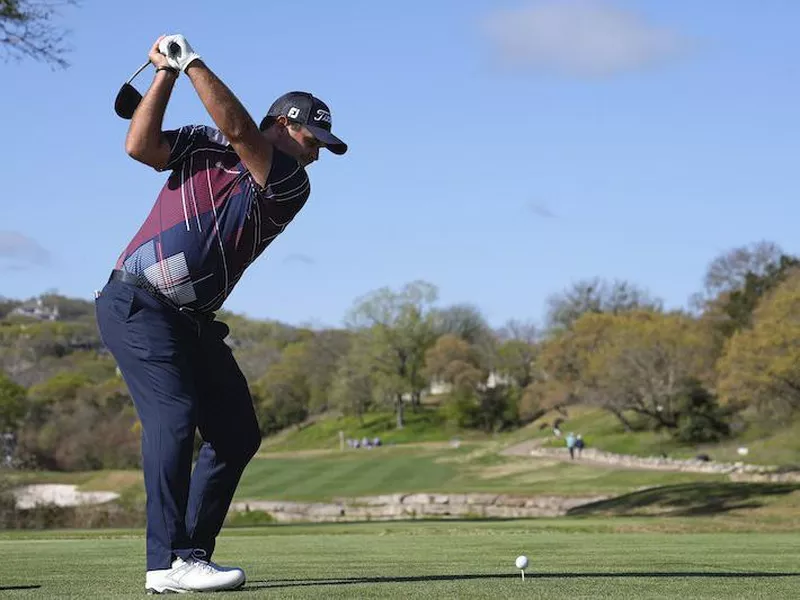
x=522, y=562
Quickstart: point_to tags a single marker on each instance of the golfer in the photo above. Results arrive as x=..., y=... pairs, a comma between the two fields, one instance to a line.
x=230, y=192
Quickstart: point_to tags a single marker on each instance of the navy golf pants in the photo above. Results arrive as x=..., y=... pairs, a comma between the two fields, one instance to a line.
x=182, y=377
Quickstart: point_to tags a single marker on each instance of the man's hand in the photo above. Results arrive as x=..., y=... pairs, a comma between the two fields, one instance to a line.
x=178, y=51
x=145, y=141
x=157, y=58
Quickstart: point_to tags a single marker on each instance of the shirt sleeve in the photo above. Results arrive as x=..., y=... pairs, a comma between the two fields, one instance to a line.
x=184, y=140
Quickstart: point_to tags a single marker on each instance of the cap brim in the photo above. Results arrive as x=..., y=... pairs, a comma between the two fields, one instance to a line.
x=332, y=143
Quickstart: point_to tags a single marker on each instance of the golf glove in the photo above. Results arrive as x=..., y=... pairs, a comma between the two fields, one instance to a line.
x=178, y=51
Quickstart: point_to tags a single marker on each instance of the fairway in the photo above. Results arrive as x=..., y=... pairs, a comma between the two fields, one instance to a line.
x=570, y=558
x=471, y=468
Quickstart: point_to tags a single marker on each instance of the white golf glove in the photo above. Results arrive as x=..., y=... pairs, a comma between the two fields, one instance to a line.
x=178, y=51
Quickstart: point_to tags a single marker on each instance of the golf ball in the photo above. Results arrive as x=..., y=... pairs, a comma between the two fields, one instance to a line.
x=522, y=562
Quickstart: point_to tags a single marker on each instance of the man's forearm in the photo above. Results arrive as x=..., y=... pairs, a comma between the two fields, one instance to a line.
x=144, y=133
x=225, y=110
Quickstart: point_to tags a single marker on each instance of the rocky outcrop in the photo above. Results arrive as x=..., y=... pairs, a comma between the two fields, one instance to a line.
x=416, y=506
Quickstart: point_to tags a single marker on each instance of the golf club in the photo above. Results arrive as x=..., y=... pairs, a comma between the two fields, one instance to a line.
x=128, y=97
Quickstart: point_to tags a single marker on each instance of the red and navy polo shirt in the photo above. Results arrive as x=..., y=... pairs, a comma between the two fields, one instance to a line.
x=211, y=219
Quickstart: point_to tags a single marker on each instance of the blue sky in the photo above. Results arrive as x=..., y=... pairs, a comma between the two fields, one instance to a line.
x=499, y=150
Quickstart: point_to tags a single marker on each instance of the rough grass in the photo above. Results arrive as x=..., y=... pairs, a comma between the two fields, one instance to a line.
x=570, y=558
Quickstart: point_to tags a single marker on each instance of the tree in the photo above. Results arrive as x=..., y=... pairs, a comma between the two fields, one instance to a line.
x=648, y=363
x=728, y=271
x=283, y=393
x=399, y=328
x=473, y=401
x=353, y=389
x=463, y=320
x=596, y=296
x=27, y=30
x=452, y=360
x=732, y=311
x=760, y=367
x=12, y=404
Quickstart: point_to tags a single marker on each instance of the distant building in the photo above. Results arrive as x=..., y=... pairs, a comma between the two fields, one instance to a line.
x=37, y=310
x=438, y=387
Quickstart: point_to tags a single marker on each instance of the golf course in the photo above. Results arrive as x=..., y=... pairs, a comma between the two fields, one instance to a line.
x=400, y=300
x=646, y=534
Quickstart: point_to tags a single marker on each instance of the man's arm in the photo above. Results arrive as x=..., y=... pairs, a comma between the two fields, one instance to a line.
x=145, y=141
x=233, y=120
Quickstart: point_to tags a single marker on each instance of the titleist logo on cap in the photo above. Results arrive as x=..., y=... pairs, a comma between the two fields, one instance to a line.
x=322, y=115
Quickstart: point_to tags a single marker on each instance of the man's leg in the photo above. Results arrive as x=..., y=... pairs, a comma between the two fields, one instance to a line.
x=231, y=437
x=154, y=351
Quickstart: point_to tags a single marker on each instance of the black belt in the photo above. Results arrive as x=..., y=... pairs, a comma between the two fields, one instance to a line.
x=143, y=283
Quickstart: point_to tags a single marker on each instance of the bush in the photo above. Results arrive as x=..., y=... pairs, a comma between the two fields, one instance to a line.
x=700, y=418
x=79, y=438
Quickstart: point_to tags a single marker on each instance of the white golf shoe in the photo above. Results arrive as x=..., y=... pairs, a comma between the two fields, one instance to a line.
x=193, y=575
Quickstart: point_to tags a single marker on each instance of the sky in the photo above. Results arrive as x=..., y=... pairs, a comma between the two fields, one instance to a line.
x=499, y=150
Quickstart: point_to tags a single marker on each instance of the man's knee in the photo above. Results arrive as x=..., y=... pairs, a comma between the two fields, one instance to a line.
x=239, y=449
x=253, y=444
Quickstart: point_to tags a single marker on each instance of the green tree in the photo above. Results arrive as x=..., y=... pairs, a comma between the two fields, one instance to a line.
x=12, y=403
x=353, y=388
x=732, y=311
x=283, y=393
x=761, y=364
x=399, y=327
x=474, y=400
x=646, y=363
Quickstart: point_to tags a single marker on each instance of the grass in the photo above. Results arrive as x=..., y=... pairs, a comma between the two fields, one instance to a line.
x=426, y=425
x=767, y=444
x=602, y=430
x=470, y=468
x=435, y=467
x=570, y=558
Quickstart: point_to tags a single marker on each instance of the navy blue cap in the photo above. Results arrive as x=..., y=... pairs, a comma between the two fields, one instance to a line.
x=313, y=113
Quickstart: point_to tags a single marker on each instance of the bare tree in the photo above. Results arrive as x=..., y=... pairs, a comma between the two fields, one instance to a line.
x=27, y=30
x=727, y=272
x=596, y=296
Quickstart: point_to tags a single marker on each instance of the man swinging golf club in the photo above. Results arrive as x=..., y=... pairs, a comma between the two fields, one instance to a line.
x=230, y=192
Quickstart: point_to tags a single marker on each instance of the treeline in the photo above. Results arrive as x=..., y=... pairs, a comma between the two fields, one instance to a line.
x=697, y=374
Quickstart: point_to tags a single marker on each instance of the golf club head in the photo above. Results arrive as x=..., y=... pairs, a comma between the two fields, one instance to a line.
x=128, y=99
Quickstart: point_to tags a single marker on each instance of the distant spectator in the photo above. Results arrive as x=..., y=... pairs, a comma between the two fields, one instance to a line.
x=579, y=444
x=571, y=444
x=376, y=442
x=365, y=443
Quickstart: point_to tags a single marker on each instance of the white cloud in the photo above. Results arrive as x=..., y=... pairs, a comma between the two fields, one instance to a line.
x=579, y=37
x=18, y=251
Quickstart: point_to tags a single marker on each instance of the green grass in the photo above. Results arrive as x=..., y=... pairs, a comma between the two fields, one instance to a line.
x=603, y=431
x=427, y=425
x=767, y=444
x=473, y=467
x=570, y=558
x=470, y=468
